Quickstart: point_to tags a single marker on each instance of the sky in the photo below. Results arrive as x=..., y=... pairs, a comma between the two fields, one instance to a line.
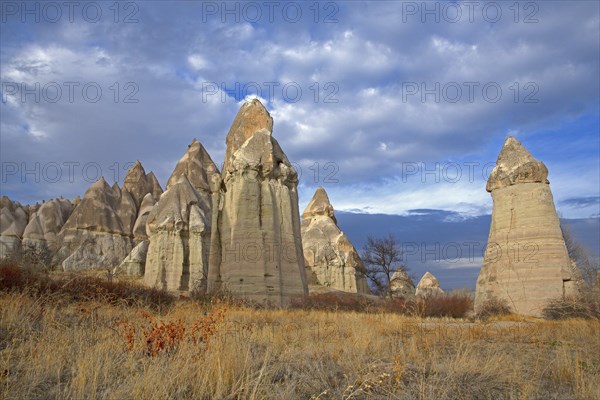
x=391, y=106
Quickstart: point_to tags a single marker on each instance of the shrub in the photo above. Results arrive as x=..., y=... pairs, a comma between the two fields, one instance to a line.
x=81, y=288
x=585, y=307
x=454, y=305
x=493, y=307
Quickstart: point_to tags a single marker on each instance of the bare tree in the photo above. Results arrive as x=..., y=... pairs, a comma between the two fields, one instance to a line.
x=382, y=257
x=588, y=267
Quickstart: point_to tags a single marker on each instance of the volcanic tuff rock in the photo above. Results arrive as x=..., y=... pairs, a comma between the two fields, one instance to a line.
x=428, y=286
x=13, y=220
x=402, y=285
x=139, y=227
x=526, y=262
x=97, y=233
x=138, y=184
x=179, y=227
x=516, y=165
x=46, y=223
x=330, y=259
x=197, y=165
x=134, y=263
x=251, y=118
x=257, y=249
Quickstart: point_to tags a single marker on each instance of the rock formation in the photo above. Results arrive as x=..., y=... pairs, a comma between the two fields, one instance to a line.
x=135, y=262
x=179, y=227
x=526, y=262
x=13, y=220
x=46, y=223
x=197, y=165
x=256, y=249
x=402, y=285
x=330, y=259
x=139, y=227
x=98, y=231
x=428, y=286
x=138, y=183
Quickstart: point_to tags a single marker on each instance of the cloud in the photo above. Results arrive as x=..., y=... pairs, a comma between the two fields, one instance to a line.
x=580, y=202
x=380, y=90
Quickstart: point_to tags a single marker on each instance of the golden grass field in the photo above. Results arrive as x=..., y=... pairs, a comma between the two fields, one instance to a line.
x=55, y=346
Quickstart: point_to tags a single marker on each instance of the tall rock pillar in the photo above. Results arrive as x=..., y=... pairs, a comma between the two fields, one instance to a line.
x=260, y=249
x=526, y=262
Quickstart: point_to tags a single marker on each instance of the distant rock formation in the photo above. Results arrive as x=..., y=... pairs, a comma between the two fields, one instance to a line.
x=45, y=224
x=257, y=248
x=428, y=286
x=13, y=221
x=526, y=262
x=179, y=227
x=330, y=259
x=402, y=285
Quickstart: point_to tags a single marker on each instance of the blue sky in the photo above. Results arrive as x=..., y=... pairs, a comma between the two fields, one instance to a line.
x=380, y=103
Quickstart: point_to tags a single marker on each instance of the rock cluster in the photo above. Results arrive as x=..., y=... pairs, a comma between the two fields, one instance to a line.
x=428, y=286
x=240, y=230
x=330, y=259
x=526, y=262
x=109, y=221
x=45, y=224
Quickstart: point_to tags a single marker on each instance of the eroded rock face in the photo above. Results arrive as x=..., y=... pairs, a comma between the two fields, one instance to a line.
x=251, y=118
x=402, y=285
x=46, y=223
x=97, y=234
x=108, y=221
x=135, y=262
x=258, y=253
x=198, y=166
x=179, y=227
x=13, y=221
x=516, y=165
x=330, y=259
x=139, y=227
x=428, y=286
x=526, y=262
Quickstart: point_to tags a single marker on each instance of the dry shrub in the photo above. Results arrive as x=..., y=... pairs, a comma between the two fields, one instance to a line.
x=81, y=288
x=156, y=336
x=14, y=277
x=493, y=307
x=454, y=305
x=586, y=307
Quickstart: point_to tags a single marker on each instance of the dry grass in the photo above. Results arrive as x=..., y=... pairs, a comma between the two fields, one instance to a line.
x=53, y=346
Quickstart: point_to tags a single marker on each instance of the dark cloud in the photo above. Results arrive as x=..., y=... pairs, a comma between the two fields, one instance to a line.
x=450, y=249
